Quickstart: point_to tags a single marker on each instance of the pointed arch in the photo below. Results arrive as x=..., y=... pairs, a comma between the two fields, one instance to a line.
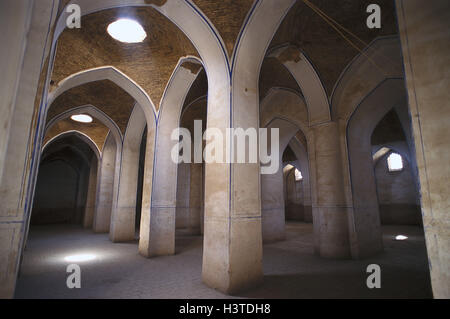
x=94, y=112
x=158, y=238
x=284, y=103
x=365, y=232
x=381, y=60
x=82, y=136
x=307, y=78
x=115, y=76
x=124, y=212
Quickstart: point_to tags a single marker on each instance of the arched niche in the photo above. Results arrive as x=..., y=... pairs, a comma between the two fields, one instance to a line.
x=365, y=231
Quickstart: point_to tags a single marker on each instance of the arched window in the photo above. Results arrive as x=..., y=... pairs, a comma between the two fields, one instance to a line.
x=395, y=162
x=298, y=175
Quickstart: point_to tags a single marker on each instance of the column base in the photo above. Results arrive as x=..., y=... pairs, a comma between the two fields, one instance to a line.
x=123, y=227
x=158, y=238
x=232, y=254
x=332, y=231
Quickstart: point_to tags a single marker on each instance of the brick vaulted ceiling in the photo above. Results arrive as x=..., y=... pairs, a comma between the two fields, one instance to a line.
x=105, y=95
x=227, y=16
x=152, y=62
x=304, y=28
x=95, y=130
x=329, y=51
x=275, y=74
x=149, y=63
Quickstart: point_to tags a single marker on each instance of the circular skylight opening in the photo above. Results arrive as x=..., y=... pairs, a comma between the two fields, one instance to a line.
x=83, y=118
x=127, y=31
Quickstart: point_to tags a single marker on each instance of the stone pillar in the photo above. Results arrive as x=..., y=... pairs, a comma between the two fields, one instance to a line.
x=272, y=206
x=144, y=231
x=330, y=212
x=202, y=205
x=123, y=214
x=89, y=211
x=81, y=197
x=24, y=62
x=304, y=163
x=159, y=238
x=195, y=199
x=105, y=187
x=14, y=16
x=272, y=189
x=425, y=41
x=294, y=195
x=232, y=245
x=307, y=210
x=123, y=218
x=157, y=234
x=183, y=190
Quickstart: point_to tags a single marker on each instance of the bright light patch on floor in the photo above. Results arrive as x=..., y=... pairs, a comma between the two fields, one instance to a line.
x=83, y=118
x=401, y=237
x=79, y=258
x=127, y=30
x=395, y=162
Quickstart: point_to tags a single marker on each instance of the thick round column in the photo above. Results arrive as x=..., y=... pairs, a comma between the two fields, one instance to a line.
x=330, y=212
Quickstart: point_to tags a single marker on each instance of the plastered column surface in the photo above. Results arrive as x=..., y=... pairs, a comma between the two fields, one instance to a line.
x=272, y=195
x=330, y=212
x=105, y=187
x=183, y=193
x=89, y=212
x=425, y=37
x=123, y=217
x=160, y=236
x=26, y=26
x=232, y=246
x=195, y=199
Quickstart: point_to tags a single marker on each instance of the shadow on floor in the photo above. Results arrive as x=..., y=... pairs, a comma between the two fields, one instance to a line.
x=185, y=242
x=337, y=286
x=291, y=269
